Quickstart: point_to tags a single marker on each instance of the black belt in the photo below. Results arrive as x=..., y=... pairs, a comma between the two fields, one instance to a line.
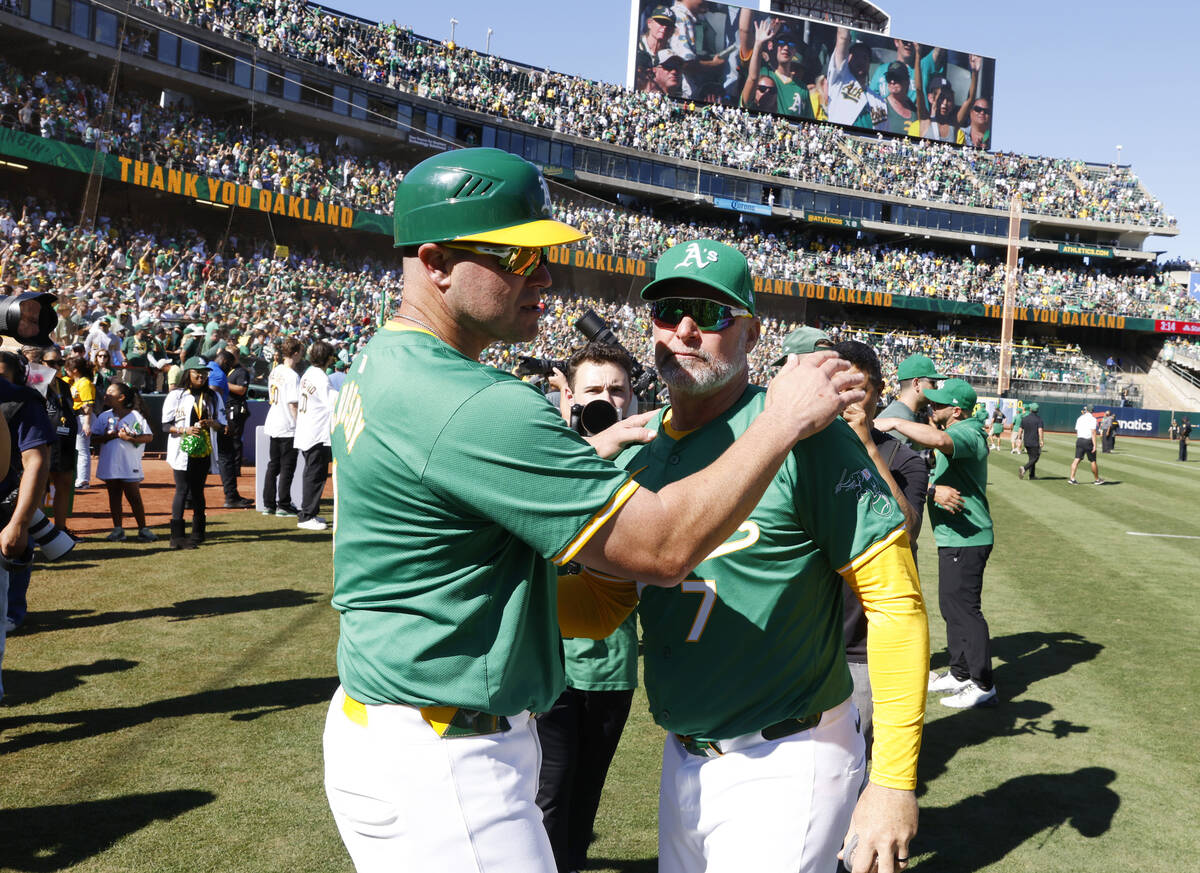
x=779, y=730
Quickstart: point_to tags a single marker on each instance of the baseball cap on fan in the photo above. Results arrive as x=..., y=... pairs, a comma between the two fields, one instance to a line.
x=954, y=392
x=663, y=14
x=802, y=341
x=703, y=269
x=917, y=367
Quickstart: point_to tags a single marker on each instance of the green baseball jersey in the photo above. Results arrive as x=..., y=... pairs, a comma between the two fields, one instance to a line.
x=966, y=471
x=609, y=664
x=754, y=634
x=1018, y=417
x=791, y=98
x=456, y=488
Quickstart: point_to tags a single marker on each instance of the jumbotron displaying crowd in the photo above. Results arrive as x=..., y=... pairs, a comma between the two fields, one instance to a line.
x=64, y=107
x=172, y=278
x=394, y=57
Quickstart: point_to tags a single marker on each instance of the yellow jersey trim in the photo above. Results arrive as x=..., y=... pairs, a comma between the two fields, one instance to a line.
x=396, y=324
x=598, y=521
x=674, y=434
x=872, y=551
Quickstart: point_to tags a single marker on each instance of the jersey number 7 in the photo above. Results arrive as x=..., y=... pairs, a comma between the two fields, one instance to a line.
x=707, y=587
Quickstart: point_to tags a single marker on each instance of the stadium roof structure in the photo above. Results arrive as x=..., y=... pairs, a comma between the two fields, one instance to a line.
x=853, y=13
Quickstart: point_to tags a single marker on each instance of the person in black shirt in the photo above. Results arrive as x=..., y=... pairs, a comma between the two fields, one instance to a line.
x=1034, y=435
x=907, y=477
x=1185, y=431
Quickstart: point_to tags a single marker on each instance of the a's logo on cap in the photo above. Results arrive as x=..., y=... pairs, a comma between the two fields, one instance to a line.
x=701, y=257
x=546, y=207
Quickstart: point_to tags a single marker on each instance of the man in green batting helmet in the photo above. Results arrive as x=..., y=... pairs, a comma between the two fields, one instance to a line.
x=459, y=489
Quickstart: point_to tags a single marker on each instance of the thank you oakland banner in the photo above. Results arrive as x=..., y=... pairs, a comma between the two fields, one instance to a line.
x=18, y=144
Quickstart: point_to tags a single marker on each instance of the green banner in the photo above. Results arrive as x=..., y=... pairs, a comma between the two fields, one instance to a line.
x=835, y=220
x=1084, y=251
x=25, y=146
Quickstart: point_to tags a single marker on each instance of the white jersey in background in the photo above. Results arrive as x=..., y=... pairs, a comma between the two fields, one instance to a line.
x=283, y=389
x=1085, y=426
x=314, y=412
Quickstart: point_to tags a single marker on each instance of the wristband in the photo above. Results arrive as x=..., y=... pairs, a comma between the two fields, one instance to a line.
x=931, y=492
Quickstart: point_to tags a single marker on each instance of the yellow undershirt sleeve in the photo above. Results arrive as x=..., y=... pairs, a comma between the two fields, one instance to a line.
x=885, y=579
x=593, y=605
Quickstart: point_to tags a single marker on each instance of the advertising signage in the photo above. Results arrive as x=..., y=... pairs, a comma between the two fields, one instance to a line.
x=809, y=70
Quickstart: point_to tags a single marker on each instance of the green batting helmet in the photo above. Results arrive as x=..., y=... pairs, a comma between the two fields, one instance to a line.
x=477, y=195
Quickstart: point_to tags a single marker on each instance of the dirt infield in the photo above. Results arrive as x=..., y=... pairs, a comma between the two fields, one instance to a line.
x=91, y=505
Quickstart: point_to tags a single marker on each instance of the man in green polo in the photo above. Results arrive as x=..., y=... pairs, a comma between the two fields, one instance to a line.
x=915, y=375
x=962, y=529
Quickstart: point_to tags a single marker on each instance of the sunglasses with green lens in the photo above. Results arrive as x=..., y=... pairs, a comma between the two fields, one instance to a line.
x=707, y=314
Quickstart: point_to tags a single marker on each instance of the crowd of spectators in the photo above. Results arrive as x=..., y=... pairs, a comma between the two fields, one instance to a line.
x=64, y=107
x=803, y=256
x=1184, y=352
x=394, y=57
x=242, y=292
x=239, y=294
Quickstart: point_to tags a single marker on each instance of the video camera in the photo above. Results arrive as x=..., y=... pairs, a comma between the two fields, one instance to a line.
x=28, y=317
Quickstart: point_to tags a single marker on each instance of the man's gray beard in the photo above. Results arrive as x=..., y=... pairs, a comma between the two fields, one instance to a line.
x=715, y=374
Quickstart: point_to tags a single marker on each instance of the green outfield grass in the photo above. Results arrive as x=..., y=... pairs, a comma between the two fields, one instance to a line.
x=165, y=709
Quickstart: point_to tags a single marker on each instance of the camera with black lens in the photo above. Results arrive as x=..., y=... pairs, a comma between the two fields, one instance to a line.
x=596, y=416
x=28, y=317
x=529, y=366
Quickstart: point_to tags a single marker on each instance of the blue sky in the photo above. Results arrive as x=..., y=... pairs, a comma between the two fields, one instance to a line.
x=1073, y=79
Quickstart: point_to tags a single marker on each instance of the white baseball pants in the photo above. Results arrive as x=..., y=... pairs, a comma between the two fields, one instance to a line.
x=771, y=806
x=405, y=799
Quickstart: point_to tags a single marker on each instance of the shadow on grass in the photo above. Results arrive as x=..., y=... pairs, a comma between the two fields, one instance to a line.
x=1031, y=656
x=183, y=610
x=984, y=828
x=30, y=686
x=636, y=865
x=1027, y=657
x=242, y=702
x=50, y=838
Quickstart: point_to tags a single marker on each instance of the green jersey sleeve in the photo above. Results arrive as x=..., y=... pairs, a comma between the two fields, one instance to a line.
x=506, y=455
x=840, y=498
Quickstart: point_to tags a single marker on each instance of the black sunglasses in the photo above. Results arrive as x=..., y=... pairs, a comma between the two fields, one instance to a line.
x=707, y=314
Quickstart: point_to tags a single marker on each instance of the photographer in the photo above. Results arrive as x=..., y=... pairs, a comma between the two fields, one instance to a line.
x=24, y=484
x=580, y=732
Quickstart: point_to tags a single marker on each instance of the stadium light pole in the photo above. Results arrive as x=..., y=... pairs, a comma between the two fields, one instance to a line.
x=487, y=49
x=1119, y=156
x=453, y=24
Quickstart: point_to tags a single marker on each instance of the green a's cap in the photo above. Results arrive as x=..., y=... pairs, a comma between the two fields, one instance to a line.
x=954, y=392
x=195, y=362
x=477, y=195
x=663, y=14
x=1032, y=407
x=694, y=270
x=802, y=341
x=917, y=367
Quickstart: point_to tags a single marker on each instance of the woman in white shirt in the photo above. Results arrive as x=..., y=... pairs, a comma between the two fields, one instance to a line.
x=122, y=432
x=191, y=414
